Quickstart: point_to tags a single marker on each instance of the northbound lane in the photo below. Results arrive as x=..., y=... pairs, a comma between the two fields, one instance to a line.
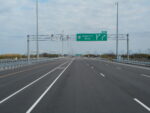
x=77, y=86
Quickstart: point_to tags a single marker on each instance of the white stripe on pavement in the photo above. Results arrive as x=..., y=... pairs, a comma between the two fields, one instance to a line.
x=5, y=99
x=145, y=75
x=142, y=104
x=39, y=99
x=102, y=74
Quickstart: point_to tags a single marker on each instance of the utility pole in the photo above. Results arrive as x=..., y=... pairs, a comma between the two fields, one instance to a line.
x=37, y=30
x=117, y=38
x=128, y=47
x=28, y=48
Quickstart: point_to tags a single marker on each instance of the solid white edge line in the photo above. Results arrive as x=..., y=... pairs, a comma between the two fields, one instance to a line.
x=145, y=75
x=142, y=104
x=50, y=86
x=5, y=99
x=102, y=74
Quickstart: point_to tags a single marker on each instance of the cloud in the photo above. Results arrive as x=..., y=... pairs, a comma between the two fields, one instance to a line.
x=17, y=19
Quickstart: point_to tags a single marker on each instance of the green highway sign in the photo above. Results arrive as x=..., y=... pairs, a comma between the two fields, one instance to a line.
x=92, y=36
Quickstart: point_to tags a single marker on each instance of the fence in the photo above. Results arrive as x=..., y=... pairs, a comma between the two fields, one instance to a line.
x=135, y=62
x=6, y=64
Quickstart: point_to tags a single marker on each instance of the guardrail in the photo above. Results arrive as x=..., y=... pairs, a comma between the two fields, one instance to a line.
x=135, y=62
x=6, y=64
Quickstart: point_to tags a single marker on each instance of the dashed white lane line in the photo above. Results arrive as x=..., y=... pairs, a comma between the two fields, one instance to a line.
x=102, y=74
x=145, y=75
x=10, y=96
x=142, y=104
x=45, y=92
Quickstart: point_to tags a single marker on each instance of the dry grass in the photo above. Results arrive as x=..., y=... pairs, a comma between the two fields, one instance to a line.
x=11, y=56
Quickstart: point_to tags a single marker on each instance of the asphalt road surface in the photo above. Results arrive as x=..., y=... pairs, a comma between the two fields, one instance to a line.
x=75, y=85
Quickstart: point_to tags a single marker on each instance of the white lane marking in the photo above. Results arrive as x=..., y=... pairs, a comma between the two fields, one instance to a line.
x=102, y=74
x=142, y=104
x=5, y=99
x=145, y=75
x=61, y=68
x=49, y=87
x=24, y=70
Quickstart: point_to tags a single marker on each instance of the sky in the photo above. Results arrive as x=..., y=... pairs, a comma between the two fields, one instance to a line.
x=18, y=19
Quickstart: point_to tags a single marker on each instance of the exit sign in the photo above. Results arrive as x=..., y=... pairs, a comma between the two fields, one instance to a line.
x=92, y=36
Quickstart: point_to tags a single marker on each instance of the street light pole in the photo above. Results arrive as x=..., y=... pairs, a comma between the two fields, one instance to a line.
x=37, y=30
x=62, y=46
x=62, y=43
x=28, y=48
x=128, y=47
x=117, y=38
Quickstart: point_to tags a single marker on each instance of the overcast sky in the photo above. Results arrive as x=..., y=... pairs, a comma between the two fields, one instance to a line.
x=17, y=19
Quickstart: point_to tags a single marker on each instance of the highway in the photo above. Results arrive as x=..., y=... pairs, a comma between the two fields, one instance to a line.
x=76, y=85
